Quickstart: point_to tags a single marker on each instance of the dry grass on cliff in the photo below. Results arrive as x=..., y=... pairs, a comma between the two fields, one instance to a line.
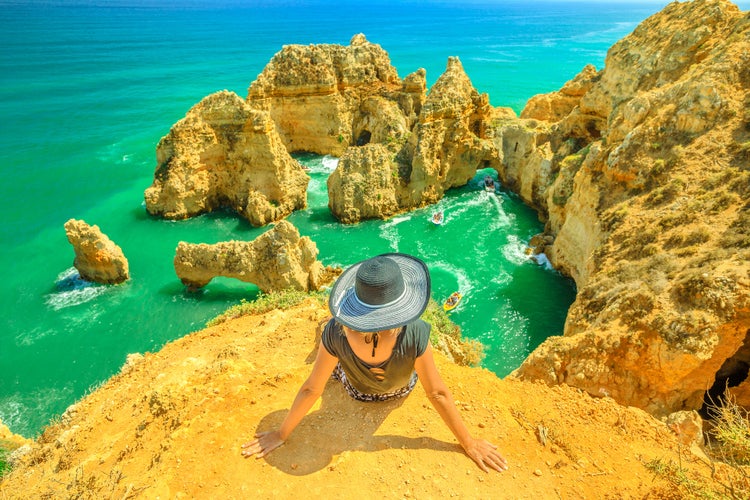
x=727, y=458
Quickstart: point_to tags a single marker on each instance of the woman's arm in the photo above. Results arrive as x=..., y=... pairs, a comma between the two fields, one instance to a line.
x=310, y=391
x=482, y=452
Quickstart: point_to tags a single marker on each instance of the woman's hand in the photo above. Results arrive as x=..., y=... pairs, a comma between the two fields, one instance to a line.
x=485, y=455
x=263, y=444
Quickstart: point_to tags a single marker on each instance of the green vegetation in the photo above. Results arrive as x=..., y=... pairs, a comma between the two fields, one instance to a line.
x=666, y=193
x=3, y=462
x=738, y=233
x=613, y=217
x=730, y=433
x=445, y=335
x=6, y=447
x=266, y=302
x=729, y=452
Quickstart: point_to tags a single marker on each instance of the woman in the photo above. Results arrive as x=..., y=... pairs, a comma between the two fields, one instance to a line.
x=377, y=347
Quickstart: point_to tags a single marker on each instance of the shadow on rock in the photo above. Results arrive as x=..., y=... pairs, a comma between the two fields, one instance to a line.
x=340, y=424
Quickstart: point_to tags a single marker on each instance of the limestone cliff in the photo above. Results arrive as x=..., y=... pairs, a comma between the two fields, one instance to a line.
x=97, y=258
x=444, y=149
x=276, y=260
x=645, y=191
x=326, y=97
x=226, y=155
x=170, y=425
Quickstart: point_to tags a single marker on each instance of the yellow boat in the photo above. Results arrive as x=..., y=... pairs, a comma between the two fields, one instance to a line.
x=452, y=301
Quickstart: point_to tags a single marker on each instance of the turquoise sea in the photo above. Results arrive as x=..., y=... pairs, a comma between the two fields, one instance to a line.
x=87, y=89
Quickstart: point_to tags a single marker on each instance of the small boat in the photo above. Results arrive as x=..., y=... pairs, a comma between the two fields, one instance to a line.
x=489, y=184
x=452, y=301
x=438, y=218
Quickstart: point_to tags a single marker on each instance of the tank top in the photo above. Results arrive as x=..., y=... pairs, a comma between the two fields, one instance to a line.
x=411, y=343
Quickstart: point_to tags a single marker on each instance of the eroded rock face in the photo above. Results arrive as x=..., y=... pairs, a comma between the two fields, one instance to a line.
x=444, y=149
x=226, y=155
x=449, y=142
x=646, y=195
x=326, y=97
x=555, y=106
x=97, y=258
x=361, y=188
x=277, y=260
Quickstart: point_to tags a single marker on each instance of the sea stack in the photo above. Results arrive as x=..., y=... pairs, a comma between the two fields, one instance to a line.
x=97, y=259
x=226, y=155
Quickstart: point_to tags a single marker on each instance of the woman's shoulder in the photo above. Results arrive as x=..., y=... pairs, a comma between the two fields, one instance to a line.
x=418, y=335
x=418, y=327
x=332, y=335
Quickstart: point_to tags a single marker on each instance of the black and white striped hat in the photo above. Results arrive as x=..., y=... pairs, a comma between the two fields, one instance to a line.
x=381, y=293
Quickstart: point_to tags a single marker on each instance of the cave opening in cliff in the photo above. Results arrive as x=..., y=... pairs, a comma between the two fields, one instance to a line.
x=364, y=138
x=732, y=373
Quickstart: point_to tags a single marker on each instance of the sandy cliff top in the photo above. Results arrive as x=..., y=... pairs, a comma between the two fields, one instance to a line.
x=170, y=425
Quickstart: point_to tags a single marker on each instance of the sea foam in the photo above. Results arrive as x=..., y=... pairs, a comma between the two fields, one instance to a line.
x=72, y=290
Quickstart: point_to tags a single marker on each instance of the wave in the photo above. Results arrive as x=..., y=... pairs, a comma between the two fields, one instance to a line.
x=619, y=28
x=113, y=153
x=464, y=283
x=515, y=251
x=542, y=260
x=389, y=232
x=329, y=163
x=29, y=337
x=72, y=290
x=25, y=413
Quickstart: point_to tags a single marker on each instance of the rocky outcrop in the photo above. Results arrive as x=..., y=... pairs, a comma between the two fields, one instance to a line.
x=226, y=155
x=9, y=440
x=557, y=105
x=97, y=258
x=278, y=259
x=364, y=185
x=172, y=418
x=324, y=98
x=639, y=170
x=443, y=150
x=646, y=196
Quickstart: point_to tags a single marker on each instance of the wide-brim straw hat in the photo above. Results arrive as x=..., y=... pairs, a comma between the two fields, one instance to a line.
x=381, y=293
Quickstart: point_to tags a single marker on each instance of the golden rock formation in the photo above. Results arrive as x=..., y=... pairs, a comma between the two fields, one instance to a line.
x=325, y=97
x=646, y=195
x=639, y=170
x=224, y=154
x=97, y=258
x=442, y=150
x=276, y=260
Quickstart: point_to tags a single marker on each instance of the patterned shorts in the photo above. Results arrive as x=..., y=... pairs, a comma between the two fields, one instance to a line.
x=338, y=374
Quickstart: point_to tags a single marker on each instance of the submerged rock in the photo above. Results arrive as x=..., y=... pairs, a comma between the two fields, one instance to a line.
x=97, y=258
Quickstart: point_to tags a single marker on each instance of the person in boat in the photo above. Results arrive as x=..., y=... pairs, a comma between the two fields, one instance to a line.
x=377, y=348
x=489, y=183
x=453, y=299
x=437, y=217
